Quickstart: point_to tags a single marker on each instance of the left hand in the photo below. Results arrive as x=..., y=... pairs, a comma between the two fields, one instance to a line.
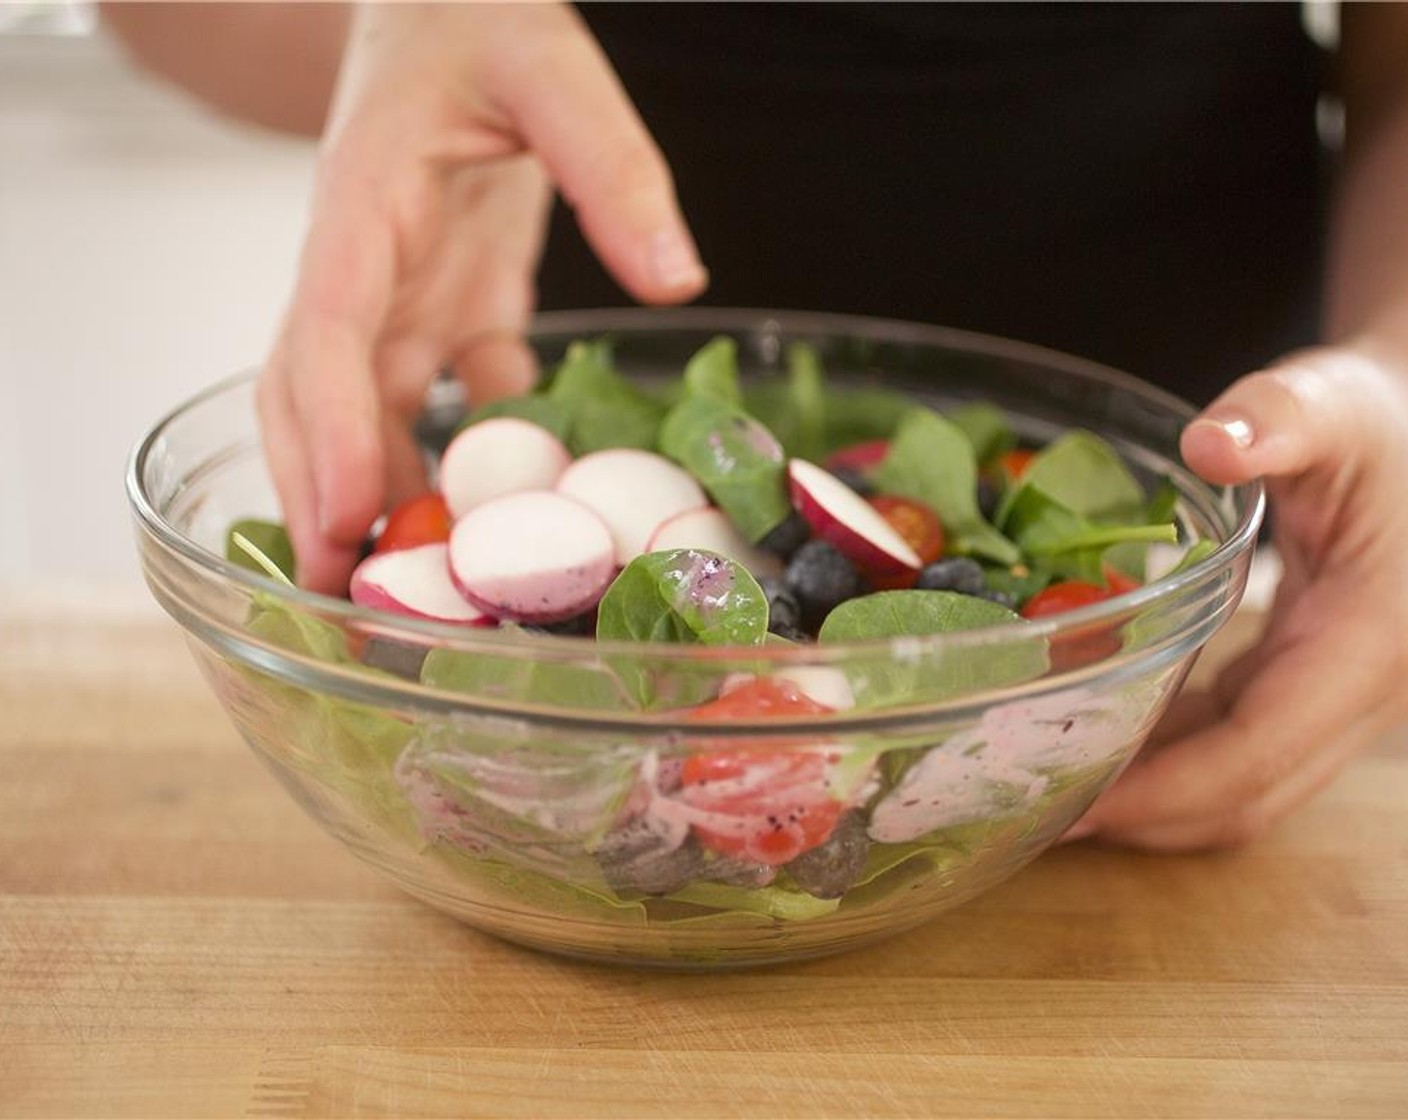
x=1328, y=431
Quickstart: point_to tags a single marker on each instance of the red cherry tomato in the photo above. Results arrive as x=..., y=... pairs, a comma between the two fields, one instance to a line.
x=921, y=529
x=417, y=521
x=1118, y=582
x=1091, y=643
x=1014, y=463
x=1060, y=597
x=767, y=804
x=862, y=457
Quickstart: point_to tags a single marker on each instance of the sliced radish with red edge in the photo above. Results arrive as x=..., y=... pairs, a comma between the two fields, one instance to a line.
x=414, y=581
x=537, y=556
x=634, y=492
x=504, y=455
x=710, y=530
x=840, y=516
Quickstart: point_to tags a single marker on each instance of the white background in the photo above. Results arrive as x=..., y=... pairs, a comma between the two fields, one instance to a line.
x=146, y=248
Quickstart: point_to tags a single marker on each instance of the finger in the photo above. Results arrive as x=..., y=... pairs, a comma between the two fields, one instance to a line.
x=1297, y=705
x=340, y=301
x=496, y=364
x=597, y=150
x=322, y=566
x=1285, y=420
x=405, y=462
x=1250, y=821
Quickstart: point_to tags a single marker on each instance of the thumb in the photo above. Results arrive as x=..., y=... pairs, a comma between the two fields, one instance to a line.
x=574, y=114
x=1306, y=412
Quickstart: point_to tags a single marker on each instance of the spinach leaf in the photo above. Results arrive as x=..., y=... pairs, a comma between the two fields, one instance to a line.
x=296, y=631
x=1083, y=473
x=931, y=461
x=684, y=595
x=603, y=409
x=986, y=427
x=713, y=372
x=1062, y=541
x=885, y=679
x=774, y=902
x=1197, y=552
x=889, y=614
x=737, y=460
x=546, y=412
x=270, y=538
x=858, y=413
x=522, y=680
x=794, y=409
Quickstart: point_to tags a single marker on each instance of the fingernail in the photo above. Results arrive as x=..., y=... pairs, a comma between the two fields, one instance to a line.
x=675, y=261
x=1238, y=429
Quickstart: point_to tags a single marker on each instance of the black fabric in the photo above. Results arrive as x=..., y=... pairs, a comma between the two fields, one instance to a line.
x=1136, y=183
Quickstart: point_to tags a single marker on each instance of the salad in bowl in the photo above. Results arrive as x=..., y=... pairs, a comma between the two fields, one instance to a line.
x=745, y=637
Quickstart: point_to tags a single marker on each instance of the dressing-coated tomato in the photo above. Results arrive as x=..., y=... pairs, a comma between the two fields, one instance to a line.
x=765, y=804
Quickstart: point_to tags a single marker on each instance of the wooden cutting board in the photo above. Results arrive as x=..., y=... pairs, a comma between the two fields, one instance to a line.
x=177, y=939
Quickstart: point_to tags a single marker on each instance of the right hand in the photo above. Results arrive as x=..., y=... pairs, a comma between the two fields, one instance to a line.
x=450, y=126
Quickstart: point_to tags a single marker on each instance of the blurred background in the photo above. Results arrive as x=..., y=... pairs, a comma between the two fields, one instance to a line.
x=147, y=246
x=146, y=249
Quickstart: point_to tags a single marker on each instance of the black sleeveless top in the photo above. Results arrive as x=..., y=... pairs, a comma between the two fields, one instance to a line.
x=1137, y=183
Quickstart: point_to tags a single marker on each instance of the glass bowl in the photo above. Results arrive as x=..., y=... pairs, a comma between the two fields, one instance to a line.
x=523, y=786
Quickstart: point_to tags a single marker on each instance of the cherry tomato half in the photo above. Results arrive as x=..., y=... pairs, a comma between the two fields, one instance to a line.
x=767, y=804
x=416, y=521
x=921, y=529
x=1066, y=596
x=1089, y=644
x=1014, y=464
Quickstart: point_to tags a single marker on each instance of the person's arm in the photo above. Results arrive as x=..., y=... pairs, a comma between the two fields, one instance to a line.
x=270, y=64
x=1368, y=268
x=451, y=125
x=1327, y=429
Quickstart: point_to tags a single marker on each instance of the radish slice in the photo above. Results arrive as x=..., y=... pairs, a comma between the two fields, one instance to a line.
x=537, y=556
x=501, y=456
x=414, y=581
x=710, y=530
x=634, y=492
x=839, y=515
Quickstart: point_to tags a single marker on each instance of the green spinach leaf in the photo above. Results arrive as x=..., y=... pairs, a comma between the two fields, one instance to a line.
x=603, y=409
x=521, y=680
x=713, y=372
x=737, y=460
x=931, y=461
x=684, y=595
x=884, y=680
x=270, y=538
x=546, y=412
x=986, y=427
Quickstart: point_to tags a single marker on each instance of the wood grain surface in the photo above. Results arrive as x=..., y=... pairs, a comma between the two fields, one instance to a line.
x=177, y=939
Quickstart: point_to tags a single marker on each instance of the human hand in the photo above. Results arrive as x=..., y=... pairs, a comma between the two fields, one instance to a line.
x=431, y=194
x=1328, y=430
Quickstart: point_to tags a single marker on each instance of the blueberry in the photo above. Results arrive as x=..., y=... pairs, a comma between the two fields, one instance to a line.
x=787, y=536
x=1001, y=598
x=855, y=480
x=830, y=869
x=784, y=612
x=953, y=573
x=821, y=579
